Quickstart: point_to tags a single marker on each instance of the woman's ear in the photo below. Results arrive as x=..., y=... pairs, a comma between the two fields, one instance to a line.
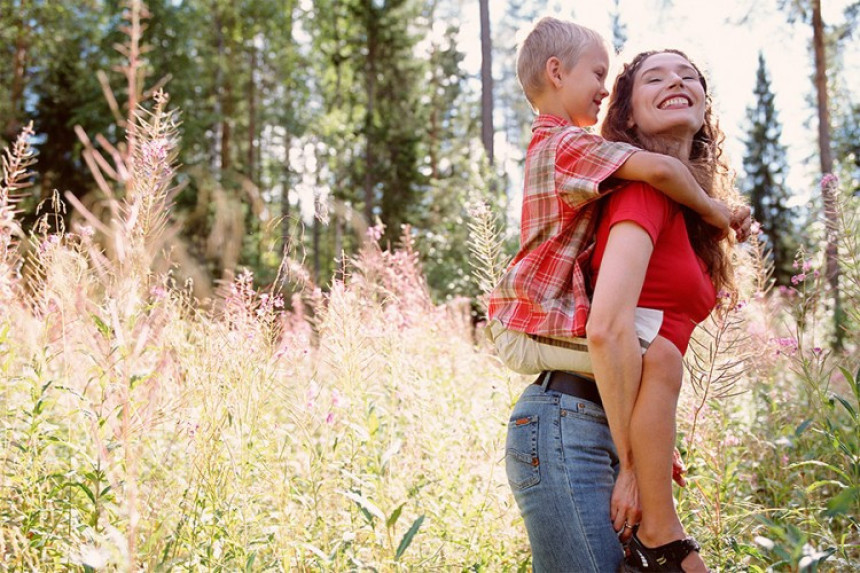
x=554, y=71
x=630, y=123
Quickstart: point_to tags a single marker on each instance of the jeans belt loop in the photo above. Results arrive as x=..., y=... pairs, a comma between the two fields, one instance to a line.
x=547, y=376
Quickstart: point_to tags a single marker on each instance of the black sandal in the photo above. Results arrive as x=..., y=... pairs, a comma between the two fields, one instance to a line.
x=663, y=558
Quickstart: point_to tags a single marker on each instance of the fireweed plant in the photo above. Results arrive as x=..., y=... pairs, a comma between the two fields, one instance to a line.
x=360, y=426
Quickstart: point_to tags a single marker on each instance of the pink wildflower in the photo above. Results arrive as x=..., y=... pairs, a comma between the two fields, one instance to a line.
x=829, y=181
x=731, y=440
x=49, y=242
x=799, y=278
x=478, y=209
x=155, y=150
x=755, y=228
x=375, y=233
x=330, y=418
x=787, y=346
x=158, y=292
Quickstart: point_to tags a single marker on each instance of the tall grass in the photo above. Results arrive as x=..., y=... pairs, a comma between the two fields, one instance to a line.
x=360, y=426
x=142, y=429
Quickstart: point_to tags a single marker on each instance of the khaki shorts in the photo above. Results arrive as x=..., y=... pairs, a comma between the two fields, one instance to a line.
x=532, y=354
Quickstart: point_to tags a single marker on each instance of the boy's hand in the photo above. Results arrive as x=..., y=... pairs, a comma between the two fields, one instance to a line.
x=741, y=222
x=678, y=469
x=719, y=216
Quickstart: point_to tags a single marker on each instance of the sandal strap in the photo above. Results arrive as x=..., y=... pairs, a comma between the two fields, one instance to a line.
x=666, y=557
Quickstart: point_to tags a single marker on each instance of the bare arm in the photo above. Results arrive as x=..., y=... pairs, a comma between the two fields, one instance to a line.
x=668, y=175
x=615, y=352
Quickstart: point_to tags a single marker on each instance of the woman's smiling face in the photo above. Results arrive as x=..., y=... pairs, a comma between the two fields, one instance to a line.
x=668, y=97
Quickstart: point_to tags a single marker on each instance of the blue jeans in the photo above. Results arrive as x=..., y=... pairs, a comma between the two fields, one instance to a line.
x=561, y=465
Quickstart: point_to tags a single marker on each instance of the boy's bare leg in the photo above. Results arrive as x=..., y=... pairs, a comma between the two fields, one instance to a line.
x=652, y=439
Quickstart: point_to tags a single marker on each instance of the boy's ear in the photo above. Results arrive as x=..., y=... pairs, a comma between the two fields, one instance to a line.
x=553, y=71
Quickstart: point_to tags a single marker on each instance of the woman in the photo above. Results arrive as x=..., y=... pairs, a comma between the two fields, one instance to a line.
x=561, y=461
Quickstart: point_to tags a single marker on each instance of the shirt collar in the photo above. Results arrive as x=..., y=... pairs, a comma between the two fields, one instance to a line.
x=547, y=120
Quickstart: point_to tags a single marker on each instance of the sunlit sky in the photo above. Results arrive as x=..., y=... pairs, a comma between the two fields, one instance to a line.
x=713, y=35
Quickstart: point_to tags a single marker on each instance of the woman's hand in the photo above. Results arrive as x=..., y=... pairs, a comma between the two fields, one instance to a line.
x=741, y=222
x=625, y=510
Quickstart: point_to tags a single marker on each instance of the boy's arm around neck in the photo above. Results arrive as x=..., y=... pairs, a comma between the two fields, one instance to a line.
x=671, y=177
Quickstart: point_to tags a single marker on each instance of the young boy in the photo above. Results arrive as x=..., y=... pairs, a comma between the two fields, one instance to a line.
x=537, y=312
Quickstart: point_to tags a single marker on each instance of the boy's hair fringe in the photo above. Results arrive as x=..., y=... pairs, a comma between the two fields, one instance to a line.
x=551, y=37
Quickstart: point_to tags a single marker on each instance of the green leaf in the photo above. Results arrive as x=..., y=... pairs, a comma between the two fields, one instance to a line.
x=316, y=551
x=847, y=405
x=365, y=504
x=100, y=324
x=407, y=537
x=845, y=502
x=85, y=489
x=395, y=515
x=802, y=427
x=372, y=422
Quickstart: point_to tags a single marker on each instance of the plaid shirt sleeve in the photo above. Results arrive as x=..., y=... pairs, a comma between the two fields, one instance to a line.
x=544, y=290
x=584, y=161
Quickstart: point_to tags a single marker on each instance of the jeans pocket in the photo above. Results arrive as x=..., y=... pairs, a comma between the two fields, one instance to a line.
x=521, y=453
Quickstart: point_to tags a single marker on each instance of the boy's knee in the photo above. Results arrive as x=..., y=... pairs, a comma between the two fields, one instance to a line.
x=663, y=360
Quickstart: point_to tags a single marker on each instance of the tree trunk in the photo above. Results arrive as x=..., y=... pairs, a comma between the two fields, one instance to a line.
x=826, y=160
x=285, y=198
x=824, y=151
x=19, y=65
x=370, y=71
x=224, y=107
x=286, y=174
x=226, y=132
x=317, y=230
x=486, y=81
x=252, y=115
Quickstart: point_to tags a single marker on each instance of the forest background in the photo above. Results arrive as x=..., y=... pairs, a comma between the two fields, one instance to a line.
x=312, y=215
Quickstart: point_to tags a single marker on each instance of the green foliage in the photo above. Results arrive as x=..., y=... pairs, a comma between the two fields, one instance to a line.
x=765, y=166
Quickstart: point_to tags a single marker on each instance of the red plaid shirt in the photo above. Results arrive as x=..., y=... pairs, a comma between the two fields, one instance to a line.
x=544, y=290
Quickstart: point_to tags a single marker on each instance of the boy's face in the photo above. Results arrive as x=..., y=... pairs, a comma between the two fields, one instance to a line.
x=584, y=86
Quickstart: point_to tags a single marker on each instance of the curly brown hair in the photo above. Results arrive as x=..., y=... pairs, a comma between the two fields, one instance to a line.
x=706, y=162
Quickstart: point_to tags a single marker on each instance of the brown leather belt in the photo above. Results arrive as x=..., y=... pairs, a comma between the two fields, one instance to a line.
x=571, y=384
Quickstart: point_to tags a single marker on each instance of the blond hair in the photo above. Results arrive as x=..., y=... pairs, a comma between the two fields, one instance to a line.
x=551, y=37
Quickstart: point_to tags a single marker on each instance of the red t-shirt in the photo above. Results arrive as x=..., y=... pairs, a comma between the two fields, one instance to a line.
x=677, y=281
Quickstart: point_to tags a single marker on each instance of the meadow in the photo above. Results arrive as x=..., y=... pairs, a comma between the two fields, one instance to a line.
x=359, y=426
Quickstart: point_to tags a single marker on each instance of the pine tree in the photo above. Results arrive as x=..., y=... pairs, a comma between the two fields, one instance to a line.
x=765, y=166
x=619, y=28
